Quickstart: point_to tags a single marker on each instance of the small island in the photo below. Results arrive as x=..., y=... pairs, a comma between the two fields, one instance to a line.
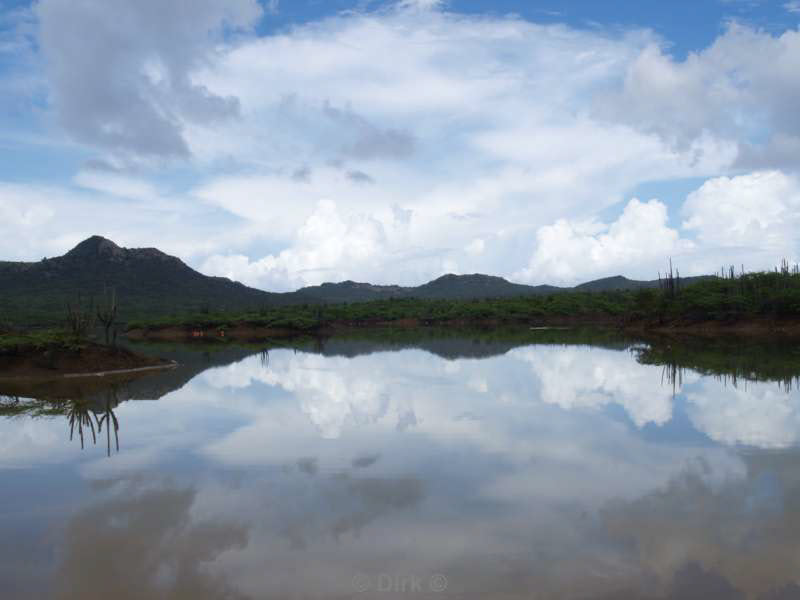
x=53, y=354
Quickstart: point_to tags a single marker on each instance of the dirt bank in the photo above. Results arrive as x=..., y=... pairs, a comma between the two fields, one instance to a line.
x=56, y=361
x=754, y=327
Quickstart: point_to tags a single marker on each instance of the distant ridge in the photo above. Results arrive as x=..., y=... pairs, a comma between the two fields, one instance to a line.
x=150, y=284
x=618, y=282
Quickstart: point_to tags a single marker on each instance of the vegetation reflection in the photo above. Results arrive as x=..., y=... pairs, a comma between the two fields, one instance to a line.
x=86, y=417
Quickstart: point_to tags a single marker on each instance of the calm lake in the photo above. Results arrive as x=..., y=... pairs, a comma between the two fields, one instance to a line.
x=574, y=465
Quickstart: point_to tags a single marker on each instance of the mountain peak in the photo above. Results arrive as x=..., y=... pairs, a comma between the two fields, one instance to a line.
x=94, y=247
x=99, y=247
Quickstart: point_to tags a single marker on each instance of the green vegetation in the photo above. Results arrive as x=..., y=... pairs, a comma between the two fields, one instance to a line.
x=728, y=297
x=428, y=312
x=12, y=342
x=724, y=298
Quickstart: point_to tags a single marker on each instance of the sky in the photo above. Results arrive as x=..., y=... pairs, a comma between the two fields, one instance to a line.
x=287, y=143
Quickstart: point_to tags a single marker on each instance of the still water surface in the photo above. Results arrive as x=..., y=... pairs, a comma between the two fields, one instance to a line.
x=442, y=468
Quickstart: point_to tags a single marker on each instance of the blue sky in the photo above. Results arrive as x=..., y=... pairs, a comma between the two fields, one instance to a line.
x=686, y=25
x=288, y=143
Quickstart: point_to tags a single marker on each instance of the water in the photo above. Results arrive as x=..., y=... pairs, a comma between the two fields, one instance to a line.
x=532, y=465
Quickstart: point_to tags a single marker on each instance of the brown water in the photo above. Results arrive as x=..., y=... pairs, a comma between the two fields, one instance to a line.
x=460, y=468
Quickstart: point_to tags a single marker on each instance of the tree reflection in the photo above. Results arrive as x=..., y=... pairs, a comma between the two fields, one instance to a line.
x=728, y=360
x=86, y=417
x=109, y=419
x=79, y=417
x=88, y=414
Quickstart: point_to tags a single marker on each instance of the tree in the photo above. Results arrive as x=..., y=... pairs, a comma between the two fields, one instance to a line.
x=107, y=313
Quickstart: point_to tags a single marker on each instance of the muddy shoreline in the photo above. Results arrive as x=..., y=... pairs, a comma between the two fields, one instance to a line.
x=89, y=360
x=757, y=327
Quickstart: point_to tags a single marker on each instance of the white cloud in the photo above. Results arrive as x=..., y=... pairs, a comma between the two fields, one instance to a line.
x=332, y=392
x=18, y=215
x=47, y=220
x=639, y=239
x=328, y=247
x=753, y=413
x=420, y=4
x=593, y=378
x=501, y=140
x=522, y=152
x=749, y=220
x=741, y=88
x=115, y=184
x=475, y=247
x=753, y=218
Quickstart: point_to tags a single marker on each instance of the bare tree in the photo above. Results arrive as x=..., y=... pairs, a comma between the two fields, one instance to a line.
x=80, y=320
x=107, y=313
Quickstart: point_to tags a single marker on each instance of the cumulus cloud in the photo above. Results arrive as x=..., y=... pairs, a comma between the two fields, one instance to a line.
x=328, y=245
x=756, y=216
x=754, y=413
x=748, y=220
x=740, y=88
x=520, y=153
x=592, y=378
x=127, y=85
x=568, y=251
x=510, y=136
x=333, y=393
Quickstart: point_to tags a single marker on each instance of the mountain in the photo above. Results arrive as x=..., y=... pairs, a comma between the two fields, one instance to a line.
x=619, y=282
x=447, y=287
x=149, y=284
x=350, y=291
x=478, y=286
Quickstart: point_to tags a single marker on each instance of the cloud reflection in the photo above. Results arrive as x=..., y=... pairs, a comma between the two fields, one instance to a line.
x=144, y=543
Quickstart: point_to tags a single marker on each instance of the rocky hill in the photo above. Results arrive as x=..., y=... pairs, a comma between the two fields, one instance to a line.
x=147, y=282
